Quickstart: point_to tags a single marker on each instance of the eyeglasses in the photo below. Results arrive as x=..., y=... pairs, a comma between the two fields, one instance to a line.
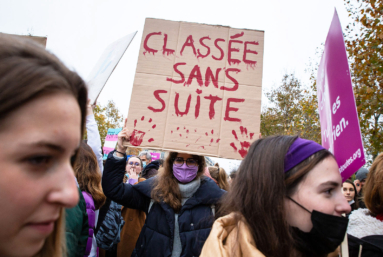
x=134, y=163
x=189, y=162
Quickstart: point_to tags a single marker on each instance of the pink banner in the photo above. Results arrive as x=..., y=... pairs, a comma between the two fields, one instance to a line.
x=338, y=115
x=110, y=141
x=155, y=156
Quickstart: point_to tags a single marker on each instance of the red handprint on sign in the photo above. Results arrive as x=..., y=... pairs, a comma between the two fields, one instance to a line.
x=244, y=143
x=180, y=132
x=137, y=136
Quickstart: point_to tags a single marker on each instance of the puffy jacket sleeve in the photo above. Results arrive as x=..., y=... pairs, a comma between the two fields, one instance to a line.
x=94, y=140
x=114, y=188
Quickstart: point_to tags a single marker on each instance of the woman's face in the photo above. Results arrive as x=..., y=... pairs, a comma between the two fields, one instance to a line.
x=320, y=190
x=37, y=142
x=134, y=163
x=348, y=191
x=185, y=157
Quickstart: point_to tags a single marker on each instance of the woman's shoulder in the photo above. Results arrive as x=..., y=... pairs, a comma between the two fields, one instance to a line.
x=362, y=223
x=230, y=234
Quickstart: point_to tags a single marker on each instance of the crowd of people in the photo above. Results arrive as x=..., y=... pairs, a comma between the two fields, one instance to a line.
x=59, y=199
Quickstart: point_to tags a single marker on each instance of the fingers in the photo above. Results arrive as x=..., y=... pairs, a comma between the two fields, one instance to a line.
x=126, y=122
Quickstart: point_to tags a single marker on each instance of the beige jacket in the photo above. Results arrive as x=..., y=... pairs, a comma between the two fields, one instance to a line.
x=230, y=238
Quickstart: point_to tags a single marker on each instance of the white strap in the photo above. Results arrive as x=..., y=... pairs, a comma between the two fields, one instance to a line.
x=360, y=250
x=213, y=209
x=150, y=205
x=344, y=247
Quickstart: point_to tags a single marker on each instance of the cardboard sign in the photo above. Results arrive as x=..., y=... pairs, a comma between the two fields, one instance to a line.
x=105, y=66
x=110, y=141
x=338, y=115
x=197, y=89
x=155, y=156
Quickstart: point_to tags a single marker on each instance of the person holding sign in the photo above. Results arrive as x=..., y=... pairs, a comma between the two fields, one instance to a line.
x=42, y=118
x=285, y=201
x=179, y=202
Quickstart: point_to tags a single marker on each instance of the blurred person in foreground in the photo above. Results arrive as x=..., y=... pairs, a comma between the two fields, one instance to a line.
x=285, y=201
x=42, y=117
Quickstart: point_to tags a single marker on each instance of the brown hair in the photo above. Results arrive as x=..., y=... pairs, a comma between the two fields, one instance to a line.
x=263, y=210
x=220, y=175
x=28, y=71
x=88, y=174
x=355, y=205
x=166, y=185
x=373, y=189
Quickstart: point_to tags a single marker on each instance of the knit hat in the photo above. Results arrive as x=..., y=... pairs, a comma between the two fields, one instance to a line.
x=361, y=174
x=299, y=151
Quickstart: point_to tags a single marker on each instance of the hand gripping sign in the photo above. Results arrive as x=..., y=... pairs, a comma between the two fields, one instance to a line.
x=338, y=115
x=197, y=89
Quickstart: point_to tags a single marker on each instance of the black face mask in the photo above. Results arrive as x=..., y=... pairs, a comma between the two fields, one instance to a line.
x=326, y=235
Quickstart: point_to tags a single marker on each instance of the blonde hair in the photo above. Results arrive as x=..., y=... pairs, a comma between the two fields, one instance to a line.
x=55, y=243
x=219, y=174
x=373, y=190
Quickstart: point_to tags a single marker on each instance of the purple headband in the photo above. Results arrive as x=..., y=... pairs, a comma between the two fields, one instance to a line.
x=299, y=151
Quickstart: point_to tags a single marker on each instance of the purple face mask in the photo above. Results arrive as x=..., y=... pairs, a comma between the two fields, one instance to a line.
x=185, y=174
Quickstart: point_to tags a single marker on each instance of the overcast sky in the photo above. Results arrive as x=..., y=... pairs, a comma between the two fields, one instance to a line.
x=78, y=31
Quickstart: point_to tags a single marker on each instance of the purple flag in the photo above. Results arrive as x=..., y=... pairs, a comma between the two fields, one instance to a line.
x=336, y=104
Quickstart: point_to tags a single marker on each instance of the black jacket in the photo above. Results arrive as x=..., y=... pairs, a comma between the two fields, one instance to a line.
x=372, y=246
x=195, y=218
x=150, y=170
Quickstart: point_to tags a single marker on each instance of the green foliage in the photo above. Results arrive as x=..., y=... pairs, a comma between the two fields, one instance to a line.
x=107, y=116
x=364, y=42
x=293, y=111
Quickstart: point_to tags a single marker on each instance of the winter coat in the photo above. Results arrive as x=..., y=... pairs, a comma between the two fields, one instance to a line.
x=134, y=221
x=94, y=141
x=195, y=218
x=365, y=230
x=76, y=228
x=230, y=238
x=150, y=170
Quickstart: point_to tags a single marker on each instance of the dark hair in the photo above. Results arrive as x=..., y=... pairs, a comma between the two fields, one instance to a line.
x=233, y=174
x=355, y=205
x=28, y=71
x=166, y=185
x=88, y=174
x=161, y=162
x=373, y=189
x=259, y=190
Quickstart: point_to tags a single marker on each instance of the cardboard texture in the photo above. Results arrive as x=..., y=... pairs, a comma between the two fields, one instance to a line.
x=106, y=65
x=197, y=89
